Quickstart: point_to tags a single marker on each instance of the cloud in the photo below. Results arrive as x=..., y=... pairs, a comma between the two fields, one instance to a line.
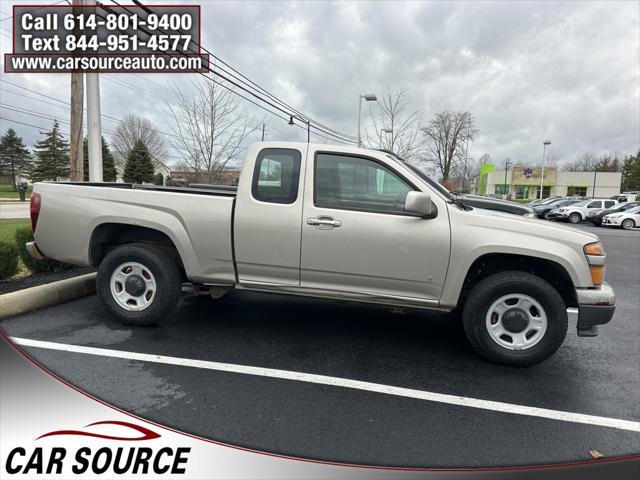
x=528, y=71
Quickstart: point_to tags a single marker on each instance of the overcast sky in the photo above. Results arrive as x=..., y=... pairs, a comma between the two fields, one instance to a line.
x=527, y=71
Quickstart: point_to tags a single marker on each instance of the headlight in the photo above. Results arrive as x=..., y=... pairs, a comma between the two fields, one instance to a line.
x=594, y=249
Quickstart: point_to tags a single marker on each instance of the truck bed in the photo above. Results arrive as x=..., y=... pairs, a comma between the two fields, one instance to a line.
x=197, y=220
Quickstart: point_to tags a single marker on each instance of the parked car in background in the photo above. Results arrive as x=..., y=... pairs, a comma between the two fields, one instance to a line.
x=543, y=211
x=496, y=204
x=621, y=207
x=543, y=201
x=579, y=211
x=626, y=197
x=627, y=220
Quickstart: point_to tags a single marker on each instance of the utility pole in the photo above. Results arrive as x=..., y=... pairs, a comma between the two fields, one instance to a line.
x=595, y=175
x=308, y=132
x=263, y=132
x=94, y=127
x=76, y=173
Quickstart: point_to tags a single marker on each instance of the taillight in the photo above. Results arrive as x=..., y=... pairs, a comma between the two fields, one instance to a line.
x=34, y=209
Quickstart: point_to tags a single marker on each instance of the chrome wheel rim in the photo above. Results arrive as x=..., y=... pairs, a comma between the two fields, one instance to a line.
x=133, y=286
x=516, y=321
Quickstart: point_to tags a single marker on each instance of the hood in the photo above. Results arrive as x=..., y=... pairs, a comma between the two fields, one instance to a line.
x=533, y=226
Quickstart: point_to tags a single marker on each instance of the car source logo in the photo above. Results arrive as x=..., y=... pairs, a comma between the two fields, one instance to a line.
x=121, y=455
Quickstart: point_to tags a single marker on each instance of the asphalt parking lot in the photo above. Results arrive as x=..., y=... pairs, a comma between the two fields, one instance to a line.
x=414, y=350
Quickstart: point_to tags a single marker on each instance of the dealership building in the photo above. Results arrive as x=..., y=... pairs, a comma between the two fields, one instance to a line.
x=523, y=183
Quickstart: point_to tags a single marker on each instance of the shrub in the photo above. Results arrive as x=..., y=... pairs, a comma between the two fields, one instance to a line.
x=24, y=235
x=8, y=260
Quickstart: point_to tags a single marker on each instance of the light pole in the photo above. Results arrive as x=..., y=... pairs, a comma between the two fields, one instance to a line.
x=544, y=149
x=506, y=169
x=369, y=97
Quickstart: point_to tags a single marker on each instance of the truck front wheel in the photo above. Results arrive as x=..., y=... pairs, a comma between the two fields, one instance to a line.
x=515, y=318
x=138, y=283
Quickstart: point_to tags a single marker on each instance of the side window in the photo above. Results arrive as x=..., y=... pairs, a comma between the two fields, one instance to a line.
x=355, y=183
x=596, y=204
x=276, y=175
x=609, y=203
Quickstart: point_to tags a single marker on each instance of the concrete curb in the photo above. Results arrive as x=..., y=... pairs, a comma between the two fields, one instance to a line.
x=33, y=298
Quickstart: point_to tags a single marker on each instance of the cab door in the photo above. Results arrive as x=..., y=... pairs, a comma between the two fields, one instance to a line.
x=268, y=217
x=356, y=237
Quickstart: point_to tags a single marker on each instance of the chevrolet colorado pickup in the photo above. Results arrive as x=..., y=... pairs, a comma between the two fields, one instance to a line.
x=333, y=222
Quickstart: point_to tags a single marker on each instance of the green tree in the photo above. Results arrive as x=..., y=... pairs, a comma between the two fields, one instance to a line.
x=109, y=173
x=139, y=167
x=631, y=173
x=15, y=159
x=52, y=156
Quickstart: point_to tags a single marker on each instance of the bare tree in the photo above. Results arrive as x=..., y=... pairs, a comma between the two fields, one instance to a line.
x=551, y=160
x=210, y=128
x=446, y=135
x=396, y=126
x=483, y=160
x=609, y=162
x=133, y=128
x=583, y=163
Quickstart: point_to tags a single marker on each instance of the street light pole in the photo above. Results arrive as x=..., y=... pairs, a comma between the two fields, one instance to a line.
x=544, y=149
x=506, y=169
x=369, y=97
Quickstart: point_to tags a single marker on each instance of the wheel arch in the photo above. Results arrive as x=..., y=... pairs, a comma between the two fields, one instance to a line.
x=490, y=263
x=106, y=236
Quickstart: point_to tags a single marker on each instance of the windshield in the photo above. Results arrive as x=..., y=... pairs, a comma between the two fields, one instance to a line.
x=582, y=203
x=564, y=203
x=634, y=210
x=430, y=181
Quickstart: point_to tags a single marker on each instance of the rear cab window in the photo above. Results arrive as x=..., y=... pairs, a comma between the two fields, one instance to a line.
x=276, y=176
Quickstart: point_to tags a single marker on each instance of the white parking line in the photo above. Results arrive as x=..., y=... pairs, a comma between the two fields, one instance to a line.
x=633, y=426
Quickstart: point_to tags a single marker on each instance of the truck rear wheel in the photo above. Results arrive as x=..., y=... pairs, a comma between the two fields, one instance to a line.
x=515, y=318
x=139, y=284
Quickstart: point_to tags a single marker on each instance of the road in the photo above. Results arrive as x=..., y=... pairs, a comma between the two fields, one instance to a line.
x=417, y=351
x=14, y=209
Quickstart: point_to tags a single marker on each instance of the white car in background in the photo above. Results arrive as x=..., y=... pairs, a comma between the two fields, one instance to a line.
x=580, y=211
x=627, y=220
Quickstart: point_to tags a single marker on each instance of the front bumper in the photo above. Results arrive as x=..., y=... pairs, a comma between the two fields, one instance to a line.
x=612, y=222
x=32, y=249
x=595, y=307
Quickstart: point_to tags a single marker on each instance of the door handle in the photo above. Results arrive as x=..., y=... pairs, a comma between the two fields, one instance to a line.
x=324, y=223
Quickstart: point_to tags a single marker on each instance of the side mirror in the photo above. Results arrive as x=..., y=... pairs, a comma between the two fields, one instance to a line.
x=418, y=203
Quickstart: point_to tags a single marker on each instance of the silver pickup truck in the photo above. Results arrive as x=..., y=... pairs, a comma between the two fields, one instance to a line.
x=333, y=222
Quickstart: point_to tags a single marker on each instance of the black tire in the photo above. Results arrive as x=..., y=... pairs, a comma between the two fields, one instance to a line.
x=575, y=217
x=546, y=215
x=496, y=286
x=628, y=224
x=167, y=279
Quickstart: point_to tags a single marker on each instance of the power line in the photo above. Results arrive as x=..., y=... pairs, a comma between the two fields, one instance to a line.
x=25, y=111
x=67, y=104
x=316, y=125
x=33, y=10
